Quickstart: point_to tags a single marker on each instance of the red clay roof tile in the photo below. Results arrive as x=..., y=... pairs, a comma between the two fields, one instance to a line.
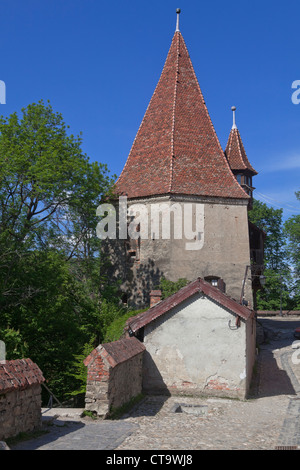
x=176, y=149
x=19, y=374
x=116, y=352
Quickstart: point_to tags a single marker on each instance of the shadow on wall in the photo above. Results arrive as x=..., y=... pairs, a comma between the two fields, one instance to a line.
x=276, y=377
x=141, y=279
x=137, y=278
x=153, y=382
x=273, y=381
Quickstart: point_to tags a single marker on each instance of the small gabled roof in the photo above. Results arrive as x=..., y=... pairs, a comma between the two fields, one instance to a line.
x=19, y=374
x=194, y=287
x=116, y=352
x=176, y=149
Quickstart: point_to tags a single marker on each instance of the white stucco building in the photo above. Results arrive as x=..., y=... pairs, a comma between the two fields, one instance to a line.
x=198, y=341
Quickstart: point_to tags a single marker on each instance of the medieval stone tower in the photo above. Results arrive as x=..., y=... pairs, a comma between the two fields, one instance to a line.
x=176, y=162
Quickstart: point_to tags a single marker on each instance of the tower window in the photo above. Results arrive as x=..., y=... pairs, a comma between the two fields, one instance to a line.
x=132, y=255
x=216, y=281
x=213, y=280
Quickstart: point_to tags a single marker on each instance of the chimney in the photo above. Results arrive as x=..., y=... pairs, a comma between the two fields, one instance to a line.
x=155, y=297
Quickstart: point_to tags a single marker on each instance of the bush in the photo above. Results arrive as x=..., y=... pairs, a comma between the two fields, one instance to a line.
x=115, y=330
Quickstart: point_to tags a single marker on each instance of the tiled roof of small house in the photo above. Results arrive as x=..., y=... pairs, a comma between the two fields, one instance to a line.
x=116, y=352
x=195, y=287
x=176, y=149
x=19, y=374
x=236, y=154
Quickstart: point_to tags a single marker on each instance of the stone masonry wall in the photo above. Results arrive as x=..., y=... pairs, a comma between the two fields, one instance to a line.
x=20, y=397
x=128, y=378
x=20, y=411
x=224, y=251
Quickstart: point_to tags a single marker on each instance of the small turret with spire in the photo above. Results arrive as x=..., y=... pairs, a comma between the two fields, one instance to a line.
x=238, y=160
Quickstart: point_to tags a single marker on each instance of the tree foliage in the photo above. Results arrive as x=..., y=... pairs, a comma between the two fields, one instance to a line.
x=170, y=287
x=281, y=257
x=269, y=220
x=51, y=278
x=292, y=229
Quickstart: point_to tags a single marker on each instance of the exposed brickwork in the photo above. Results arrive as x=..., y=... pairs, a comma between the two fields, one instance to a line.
x=155, y=297
x=114, y=375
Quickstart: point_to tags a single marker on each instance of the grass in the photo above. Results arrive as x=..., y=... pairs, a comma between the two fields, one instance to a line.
x=90, y=414
x=116, y=413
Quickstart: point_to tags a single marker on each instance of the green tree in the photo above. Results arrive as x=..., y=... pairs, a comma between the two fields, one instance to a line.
x=269, y=220
x=277, y=290
x=292, y=229
x=170, y=287
x=50, y=268
x=49, y=190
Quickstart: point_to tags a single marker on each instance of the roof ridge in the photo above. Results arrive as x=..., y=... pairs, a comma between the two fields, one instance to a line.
x=198, y=285
x=239, y=146
x=243, y=152
x=173, y=112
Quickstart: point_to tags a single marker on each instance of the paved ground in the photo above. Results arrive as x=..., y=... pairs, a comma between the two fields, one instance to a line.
x=267, y=421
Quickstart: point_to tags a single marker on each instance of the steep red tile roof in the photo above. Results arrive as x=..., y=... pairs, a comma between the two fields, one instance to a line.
x=235, y=153
x=116, y=352
x=19, y=374
x=176, y=149
x=194, y=287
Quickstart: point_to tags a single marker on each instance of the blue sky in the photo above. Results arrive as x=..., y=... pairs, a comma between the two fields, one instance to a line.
x=99, y=62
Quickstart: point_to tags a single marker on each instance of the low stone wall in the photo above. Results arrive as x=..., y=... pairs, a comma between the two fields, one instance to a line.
x=276, y=313
x=20, y=397
x=114, y=375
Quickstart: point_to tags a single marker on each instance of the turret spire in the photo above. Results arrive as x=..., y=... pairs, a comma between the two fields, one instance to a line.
x=233, y=109
x=177, y=21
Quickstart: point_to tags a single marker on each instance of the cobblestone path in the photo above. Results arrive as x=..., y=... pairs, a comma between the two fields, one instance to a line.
x=267, y=421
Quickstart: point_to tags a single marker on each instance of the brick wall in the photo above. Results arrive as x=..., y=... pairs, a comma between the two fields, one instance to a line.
x=114, y=375
x=20, y=397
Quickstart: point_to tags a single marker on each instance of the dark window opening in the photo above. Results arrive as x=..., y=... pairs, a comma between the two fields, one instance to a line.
x=216, y=281
x=213, y=280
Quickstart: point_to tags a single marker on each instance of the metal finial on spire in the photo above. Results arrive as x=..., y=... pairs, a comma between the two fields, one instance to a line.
x=233, y=109
x=177, y=22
